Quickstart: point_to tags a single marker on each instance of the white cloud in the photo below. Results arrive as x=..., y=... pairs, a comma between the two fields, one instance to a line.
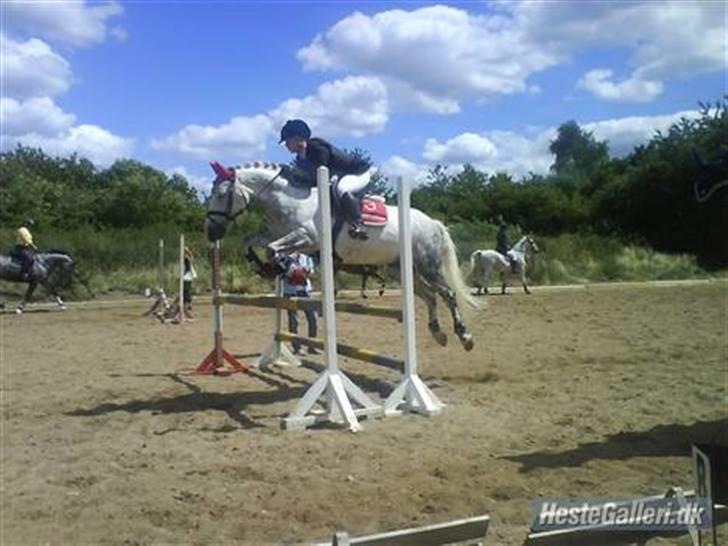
x=438, y=53
x=521, y=154
x=37, y=115
x=624, y=134
x=32, y=69
x=631, y=90
x=75, y=23
x=241, y=138
x=353, y=106
x=395, y=166
x=90, y=141
x=436, y=57
x=494, y=151
x=464, y=148
x=667, y=39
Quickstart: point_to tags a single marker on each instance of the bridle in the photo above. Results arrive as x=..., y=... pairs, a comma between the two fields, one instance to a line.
x=225, y=174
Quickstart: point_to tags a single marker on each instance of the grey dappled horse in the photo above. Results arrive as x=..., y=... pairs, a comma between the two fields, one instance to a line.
x=291, y=211
x=484, y=262
x=52, y=270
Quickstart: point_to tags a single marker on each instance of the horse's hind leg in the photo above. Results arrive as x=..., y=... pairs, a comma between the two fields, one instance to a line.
x=382, y=282
x=52, y=291
x=364, y=279
x=426, y=292
x=448, y=295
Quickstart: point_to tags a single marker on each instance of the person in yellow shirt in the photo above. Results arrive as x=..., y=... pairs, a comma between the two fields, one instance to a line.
x=25, y=248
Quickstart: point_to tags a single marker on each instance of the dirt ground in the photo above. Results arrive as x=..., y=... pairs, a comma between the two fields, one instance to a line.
x=595, y=392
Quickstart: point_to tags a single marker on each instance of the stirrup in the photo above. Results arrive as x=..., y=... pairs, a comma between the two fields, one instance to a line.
x=355, y=232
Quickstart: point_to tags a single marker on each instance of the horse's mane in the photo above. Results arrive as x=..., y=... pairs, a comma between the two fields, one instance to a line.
x=56, y=251
x=261, y=165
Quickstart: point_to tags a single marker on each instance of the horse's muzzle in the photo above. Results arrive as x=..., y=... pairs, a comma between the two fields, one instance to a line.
x=215, y=230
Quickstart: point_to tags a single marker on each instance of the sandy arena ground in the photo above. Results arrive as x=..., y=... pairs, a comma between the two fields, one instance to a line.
x=578, y=392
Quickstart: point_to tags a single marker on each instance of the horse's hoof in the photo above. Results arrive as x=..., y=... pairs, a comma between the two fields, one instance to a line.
x=468, y=342
x=62, y=307
x=440, y=338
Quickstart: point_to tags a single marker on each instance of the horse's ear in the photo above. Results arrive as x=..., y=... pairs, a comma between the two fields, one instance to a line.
x=224, y=173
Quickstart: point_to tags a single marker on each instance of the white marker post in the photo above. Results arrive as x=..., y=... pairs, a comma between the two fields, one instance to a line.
x=411, y=394
x=331, y=382
x=278, y=353
x=182, y=316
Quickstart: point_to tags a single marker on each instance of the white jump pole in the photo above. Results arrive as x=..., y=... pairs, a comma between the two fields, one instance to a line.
x=161, y=264
x=332, y=383
x=181, y=276
x=411, y=394
x=278, y=353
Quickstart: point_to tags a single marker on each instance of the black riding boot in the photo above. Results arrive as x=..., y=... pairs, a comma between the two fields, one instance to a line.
x=350, y=206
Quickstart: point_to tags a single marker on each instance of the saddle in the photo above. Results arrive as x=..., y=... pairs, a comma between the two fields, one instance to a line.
x=373, y=210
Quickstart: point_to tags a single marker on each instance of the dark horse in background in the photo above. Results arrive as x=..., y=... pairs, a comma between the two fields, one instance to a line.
x=53, y=270
x=712, y=175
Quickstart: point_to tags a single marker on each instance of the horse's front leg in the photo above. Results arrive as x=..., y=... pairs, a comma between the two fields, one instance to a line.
x=298, y=239
x=26, y=297
x=523, y=282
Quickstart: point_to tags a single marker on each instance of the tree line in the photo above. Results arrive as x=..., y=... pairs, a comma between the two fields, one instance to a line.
x=644, y=198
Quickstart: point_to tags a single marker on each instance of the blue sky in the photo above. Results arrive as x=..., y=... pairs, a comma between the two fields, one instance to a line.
x=176, y=84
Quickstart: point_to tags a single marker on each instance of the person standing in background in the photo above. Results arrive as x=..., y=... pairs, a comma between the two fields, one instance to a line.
x=298, y=267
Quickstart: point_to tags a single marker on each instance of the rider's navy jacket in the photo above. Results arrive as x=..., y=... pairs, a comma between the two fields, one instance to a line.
x=502, y=244
x=320, y=153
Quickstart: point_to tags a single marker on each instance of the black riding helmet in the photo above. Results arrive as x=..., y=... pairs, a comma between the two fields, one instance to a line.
x=28, y=222
x=295, y=127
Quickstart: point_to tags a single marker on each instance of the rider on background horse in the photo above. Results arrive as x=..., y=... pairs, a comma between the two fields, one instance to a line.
x=25, y=249
x=312, y=153
x=503, y=245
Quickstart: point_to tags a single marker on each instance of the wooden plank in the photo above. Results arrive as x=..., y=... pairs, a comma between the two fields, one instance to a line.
x=461, y=530
x=345, y=350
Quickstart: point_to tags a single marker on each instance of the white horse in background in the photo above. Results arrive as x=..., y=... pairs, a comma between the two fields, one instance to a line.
x=484, y=262
x=291, y=211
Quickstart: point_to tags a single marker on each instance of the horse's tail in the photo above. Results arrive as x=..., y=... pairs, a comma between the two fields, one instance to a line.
x=451, y=269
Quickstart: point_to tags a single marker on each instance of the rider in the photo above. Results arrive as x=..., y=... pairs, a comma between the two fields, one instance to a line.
x=503, y=245
x=25, y=248
x=312, y=153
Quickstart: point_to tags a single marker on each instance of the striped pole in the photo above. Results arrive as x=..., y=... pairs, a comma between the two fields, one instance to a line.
x=411, y=394
x=356, y=353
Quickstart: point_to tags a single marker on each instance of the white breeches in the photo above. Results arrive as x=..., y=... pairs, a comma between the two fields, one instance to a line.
x=353, y=183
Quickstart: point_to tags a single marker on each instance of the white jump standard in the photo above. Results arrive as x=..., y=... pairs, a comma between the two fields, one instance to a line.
x=331, y=383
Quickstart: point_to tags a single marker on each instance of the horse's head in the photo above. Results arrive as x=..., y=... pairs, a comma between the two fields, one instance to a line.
x=59, y=267
x=233, y=190
x=532, y=244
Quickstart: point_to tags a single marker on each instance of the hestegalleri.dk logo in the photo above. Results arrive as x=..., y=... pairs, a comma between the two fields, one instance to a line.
x=652, y=514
